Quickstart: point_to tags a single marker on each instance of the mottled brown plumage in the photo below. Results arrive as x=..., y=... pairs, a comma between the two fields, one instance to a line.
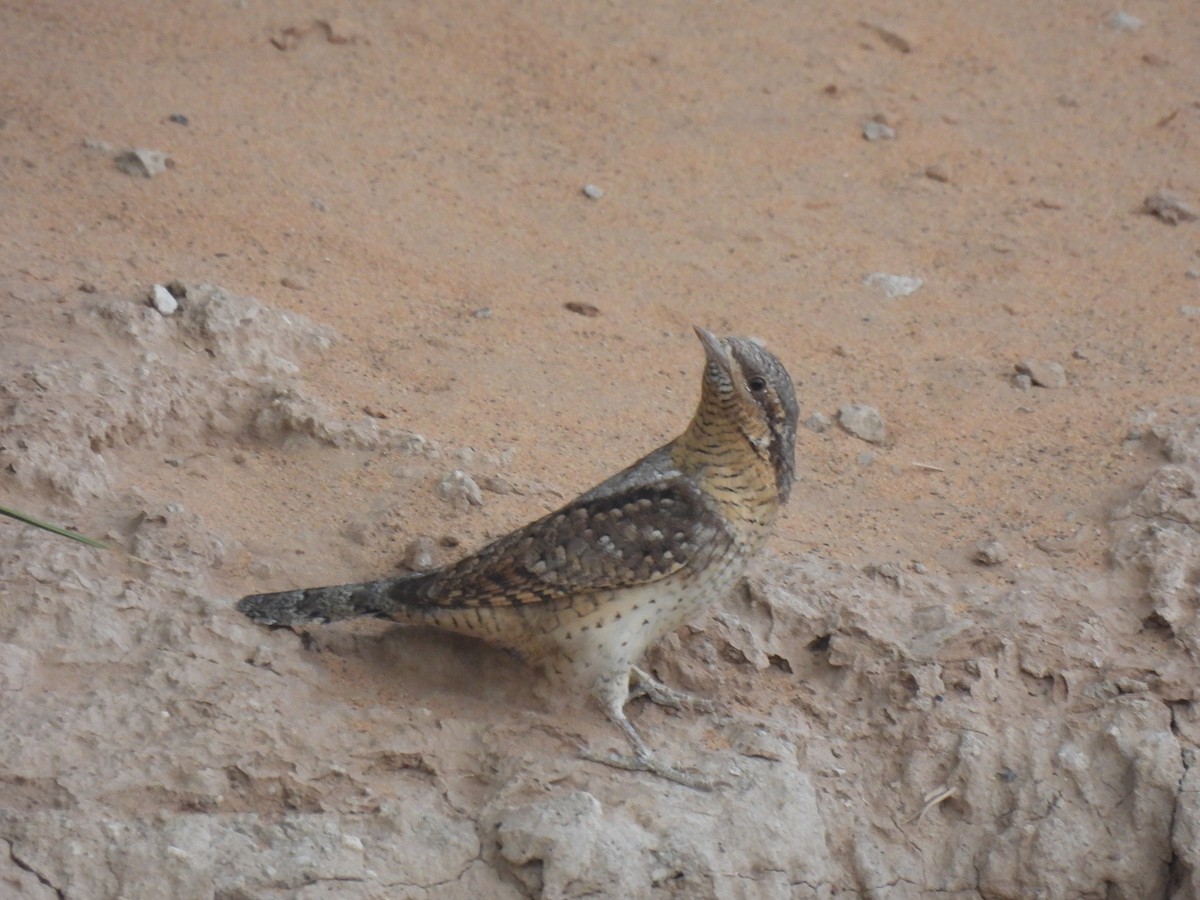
x=583, y=591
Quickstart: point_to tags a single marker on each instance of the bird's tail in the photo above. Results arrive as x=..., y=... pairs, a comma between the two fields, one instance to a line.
x=384, y=599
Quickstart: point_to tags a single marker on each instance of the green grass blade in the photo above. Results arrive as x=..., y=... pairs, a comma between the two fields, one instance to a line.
x=65, y=532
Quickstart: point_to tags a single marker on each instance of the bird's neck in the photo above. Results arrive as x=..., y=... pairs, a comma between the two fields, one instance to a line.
x=732, y=465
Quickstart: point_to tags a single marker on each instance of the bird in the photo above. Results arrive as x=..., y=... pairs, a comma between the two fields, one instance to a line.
x=583, y=592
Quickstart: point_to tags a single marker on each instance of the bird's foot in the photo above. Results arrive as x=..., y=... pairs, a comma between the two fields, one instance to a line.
x=643, y=684
x=653, y=765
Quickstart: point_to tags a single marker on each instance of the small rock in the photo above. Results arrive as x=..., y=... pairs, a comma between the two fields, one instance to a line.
x=1169, y=207
x=1190, y=311
x=875, y=130
x=459, y=489
x=142, y=162
x=592, y=192
x=484, y=312
x=863, y=422
x=938, y=172
x=318, y=204
x=1127, y=685
x=818, y=422
x=890, y=36
x=163, y=300
x=96, y=145
x=752, y=741
x=262, y=657
x=295, y=283
x=178, y=118
x=1043, y=374
x=1123, y=21
x=418, y=555
x=1022, y=382
x=583, y=309
x=87, y=287
x=496, y=484
x=894, y=285
x=991, y=553
x=889, y=571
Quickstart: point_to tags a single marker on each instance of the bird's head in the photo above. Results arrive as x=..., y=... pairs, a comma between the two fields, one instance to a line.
x=748, y=384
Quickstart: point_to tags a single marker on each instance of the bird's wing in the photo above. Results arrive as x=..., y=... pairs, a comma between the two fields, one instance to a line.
x=635, y=534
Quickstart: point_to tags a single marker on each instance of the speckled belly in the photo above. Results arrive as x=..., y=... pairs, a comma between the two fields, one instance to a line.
x=606, y=633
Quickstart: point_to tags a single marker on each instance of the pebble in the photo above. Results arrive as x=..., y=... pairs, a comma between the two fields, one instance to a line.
x=894, y=285
x=96, y=145
x=496, y=484
x=1169, y=207
x=864, y=422
x=142, y=162
x=874, y=130
x=752, y=741
x=583, y=309
x=1123, y=21
x=1043, y=374
x=818, y=422
x=178, y=118
x=164, y=301
x=592, y=192
x=938, y=172
x=991, y=553
x=295, y=283
x=890, y=36
x=418, y=555
x=1022, y=382
x=1190, y=311
x=459, y=489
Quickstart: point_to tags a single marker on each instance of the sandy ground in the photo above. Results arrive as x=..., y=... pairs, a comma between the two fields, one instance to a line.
x=401, y=188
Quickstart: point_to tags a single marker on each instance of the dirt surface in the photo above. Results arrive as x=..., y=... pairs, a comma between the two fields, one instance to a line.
x=389, y=269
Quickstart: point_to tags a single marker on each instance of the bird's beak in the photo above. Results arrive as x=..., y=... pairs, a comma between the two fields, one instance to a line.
x=713, y=349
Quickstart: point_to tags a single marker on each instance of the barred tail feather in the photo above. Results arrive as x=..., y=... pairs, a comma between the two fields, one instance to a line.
x=384, y=599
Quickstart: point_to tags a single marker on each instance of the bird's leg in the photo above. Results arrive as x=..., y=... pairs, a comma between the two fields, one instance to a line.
x=612, y=692
x=646, y=685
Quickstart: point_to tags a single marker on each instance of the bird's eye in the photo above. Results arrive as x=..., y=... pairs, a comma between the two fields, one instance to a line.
x=757, y=383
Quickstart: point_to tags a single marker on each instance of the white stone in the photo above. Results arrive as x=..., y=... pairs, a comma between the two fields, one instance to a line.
x=164, y=301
